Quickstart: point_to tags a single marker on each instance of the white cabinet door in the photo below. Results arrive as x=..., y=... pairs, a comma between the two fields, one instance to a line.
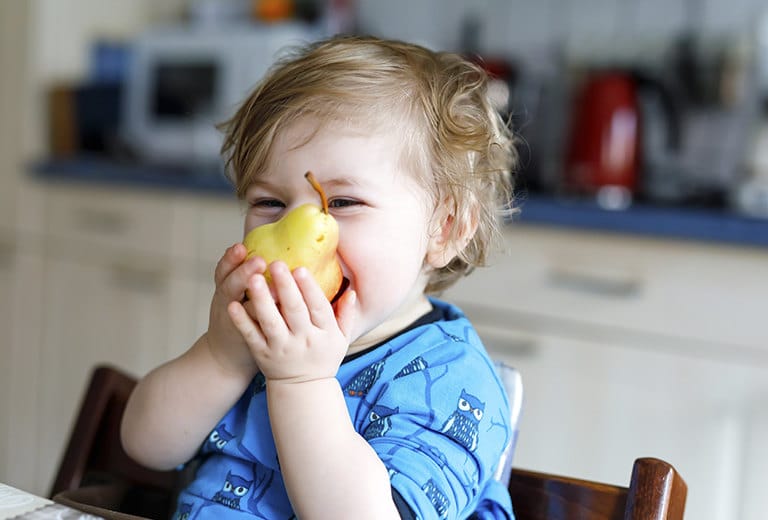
x=21, y=289
x=755, y=475
x=108, y=296
x=7, y=249
x=95, y=313
x=592, y=407
x=220, y=226
x=712, y=296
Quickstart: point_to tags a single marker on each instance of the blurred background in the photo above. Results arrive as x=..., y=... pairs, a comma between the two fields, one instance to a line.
x=631, y=288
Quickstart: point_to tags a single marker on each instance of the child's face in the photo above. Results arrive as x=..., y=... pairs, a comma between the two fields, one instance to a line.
x=382, y=212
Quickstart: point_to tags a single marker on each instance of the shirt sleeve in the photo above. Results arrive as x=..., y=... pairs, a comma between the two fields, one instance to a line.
x=439, y=422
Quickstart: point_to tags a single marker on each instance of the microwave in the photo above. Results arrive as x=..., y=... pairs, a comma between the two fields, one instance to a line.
x=183, y=81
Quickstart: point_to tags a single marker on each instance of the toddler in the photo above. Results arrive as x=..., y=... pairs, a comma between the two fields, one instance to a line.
x=384, y=403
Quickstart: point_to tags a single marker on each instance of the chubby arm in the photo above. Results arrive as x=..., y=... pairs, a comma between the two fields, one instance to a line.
x=175, y=406
x=330, y=472
x=299, y=345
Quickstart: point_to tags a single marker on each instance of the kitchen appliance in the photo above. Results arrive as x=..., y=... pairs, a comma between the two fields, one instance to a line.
x=750, y=195
x=84, y=118
x=621, y=122
x=603, y=147
x=184, y=80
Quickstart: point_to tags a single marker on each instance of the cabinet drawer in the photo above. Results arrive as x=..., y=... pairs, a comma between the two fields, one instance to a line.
x=691, y=291
x=221, y=225
x=109, y=221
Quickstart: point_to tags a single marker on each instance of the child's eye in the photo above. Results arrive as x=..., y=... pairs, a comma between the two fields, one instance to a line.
x=343, y=203
x=267, y=203
x=266, y=208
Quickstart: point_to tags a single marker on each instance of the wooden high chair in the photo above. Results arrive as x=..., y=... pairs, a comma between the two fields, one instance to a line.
x=656, y=492
x=98, y=477
x=95, y=473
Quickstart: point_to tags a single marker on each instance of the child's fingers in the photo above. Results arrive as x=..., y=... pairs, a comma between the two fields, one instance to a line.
x=233, y=257
x=292, y=306
x=265, y=311
x=245, y=325
x=320, y=311
x=234, y=285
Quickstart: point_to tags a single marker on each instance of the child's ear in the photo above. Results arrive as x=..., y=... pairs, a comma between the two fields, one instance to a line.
x=449, y=235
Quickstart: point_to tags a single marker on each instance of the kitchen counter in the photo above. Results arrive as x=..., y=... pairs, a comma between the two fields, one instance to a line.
x=714, y=225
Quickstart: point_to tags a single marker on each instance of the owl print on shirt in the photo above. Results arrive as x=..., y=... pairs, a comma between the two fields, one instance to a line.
x=365, y=379
x=234, y=489
x=380, y=421
x=220, y=437
x=437, y=498
x=463, y=424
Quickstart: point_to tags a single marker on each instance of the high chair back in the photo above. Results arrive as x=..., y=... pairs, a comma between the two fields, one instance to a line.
x=97, y=476
x=94, y=458
x=513, y=384
x=656, y=492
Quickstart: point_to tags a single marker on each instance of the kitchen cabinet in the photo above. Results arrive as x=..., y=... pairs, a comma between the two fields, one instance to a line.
x=95, y=312
x=754, y=477
x=593, y=406
x=633, y=347
x=704, y=296
x=6, y=308
x=20, y=385
x=220, y=223
x=111, y=276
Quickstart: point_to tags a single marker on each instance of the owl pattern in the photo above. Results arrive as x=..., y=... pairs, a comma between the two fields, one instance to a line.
x=414, y=366
x=463, y=424
x=380, y=421
x=220, y=437
x=234, y=489
x=437, y=498
x=365, y=379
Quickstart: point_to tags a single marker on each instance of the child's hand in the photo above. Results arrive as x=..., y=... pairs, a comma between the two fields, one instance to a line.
x=295, y=335
x=224, y=340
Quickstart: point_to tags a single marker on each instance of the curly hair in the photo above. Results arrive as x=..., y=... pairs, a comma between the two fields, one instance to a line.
x=454, y=141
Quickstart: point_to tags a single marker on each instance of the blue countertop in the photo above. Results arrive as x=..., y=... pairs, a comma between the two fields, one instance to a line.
x=714, y=225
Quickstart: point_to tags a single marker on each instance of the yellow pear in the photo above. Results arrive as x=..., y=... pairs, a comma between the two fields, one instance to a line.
x=306, y=236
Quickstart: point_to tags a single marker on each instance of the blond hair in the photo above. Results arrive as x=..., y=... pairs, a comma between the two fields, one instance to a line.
x=455, y=143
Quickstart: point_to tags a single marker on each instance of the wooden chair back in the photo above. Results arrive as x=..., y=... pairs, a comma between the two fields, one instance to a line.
x=656, y=492
x=94, y=456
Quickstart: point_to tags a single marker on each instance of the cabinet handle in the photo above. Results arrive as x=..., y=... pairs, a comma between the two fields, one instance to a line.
x=100, y=221
x=594, y=283
x=138, y=279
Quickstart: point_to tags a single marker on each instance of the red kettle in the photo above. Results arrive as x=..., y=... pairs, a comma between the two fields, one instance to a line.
x=603, y=147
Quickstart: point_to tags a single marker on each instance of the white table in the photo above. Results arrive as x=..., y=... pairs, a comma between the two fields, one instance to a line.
x=18, y=504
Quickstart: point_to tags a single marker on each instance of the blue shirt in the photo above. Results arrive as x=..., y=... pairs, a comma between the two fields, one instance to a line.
x=428, y=401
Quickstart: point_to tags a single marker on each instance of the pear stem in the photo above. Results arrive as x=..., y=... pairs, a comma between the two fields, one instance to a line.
x=318, y=189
